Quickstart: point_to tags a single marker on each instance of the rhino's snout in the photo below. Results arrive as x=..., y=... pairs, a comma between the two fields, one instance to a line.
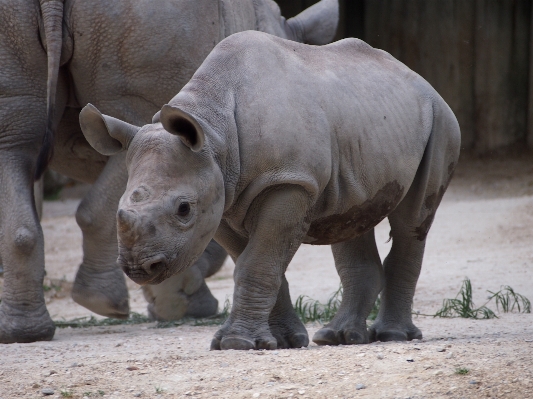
x=147, y=272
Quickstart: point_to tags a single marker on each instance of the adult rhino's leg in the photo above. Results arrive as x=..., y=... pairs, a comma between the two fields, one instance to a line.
x=100, y=285
x=359, y=267
x=187, y=294
x=23, y=314
x=275, y=231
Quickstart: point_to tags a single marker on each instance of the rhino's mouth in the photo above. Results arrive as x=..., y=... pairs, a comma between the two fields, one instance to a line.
x=151, y=271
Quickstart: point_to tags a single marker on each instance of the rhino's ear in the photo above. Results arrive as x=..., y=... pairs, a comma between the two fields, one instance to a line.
x=106, y=134
x=183, y=125
x=316, y=24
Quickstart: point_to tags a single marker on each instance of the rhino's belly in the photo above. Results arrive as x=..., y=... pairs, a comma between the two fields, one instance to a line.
x=357, y=220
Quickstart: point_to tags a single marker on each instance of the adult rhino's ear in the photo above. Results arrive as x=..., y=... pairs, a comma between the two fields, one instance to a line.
x=316, y=24
x=183, y=125
x=106, y=134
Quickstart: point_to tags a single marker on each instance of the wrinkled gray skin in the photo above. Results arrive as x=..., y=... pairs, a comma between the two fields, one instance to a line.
x=128, y=58
x=275, y=144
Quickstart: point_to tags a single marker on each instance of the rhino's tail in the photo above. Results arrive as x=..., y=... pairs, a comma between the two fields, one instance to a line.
x=52, y=14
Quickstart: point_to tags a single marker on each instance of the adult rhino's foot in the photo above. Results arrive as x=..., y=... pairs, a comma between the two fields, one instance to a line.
x=104, y=293
x=238, y=337
x=183, y=294
x=381, y=331
x=342, y=331
x=23, y=325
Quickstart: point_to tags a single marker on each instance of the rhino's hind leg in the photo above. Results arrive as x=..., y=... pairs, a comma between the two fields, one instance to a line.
x=100, y=285
x=284, y=323
x=402, y=268
x=359, y=267
x=410, y=223
x=186, y=294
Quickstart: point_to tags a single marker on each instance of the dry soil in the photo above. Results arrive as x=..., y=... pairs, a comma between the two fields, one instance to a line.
x=483, y=231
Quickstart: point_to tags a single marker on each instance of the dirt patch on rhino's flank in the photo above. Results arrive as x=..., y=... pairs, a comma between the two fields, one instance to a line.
x=357, y=220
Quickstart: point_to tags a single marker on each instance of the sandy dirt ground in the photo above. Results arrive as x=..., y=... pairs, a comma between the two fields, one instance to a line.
x=483, y=231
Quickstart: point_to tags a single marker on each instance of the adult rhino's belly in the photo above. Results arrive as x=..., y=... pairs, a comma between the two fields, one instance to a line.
x=357, y=220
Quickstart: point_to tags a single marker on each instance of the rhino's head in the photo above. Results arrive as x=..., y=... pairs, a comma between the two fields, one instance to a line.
x=175, y=195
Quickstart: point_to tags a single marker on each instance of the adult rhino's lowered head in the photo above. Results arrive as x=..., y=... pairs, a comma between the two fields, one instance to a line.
x=166, y=217
x=274, y=144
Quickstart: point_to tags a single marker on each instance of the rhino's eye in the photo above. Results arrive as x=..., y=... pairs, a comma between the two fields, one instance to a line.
x=184, y=209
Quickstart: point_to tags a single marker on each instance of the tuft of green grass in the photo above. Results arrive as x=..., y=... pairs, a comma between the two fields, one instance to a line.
x=159, y=390
x=66, y=394
x=309, y=309
x=463, y=305
x=508, y=300
x=461, y=371
x=214, y=320
x=375, y=309
x=80, y=322
x=101, y=393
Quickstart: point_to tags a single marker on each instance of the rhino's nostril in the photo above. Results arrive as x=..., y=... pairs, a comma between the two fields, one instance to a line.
x=154, y=265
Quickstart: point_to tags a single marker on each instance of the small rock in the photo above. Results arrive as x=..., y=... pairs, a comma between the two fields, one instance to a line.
x=449, y=355
x=224, y=364
x=256, y=395
x=138, y=395
x=410, y=359
x=301, y=391
x=131, y=368
x=380, y=356
x=360, y=386
x=35, y=385
x=438, y=372
x=48, y=391
x=441, y=349
x=473, y=382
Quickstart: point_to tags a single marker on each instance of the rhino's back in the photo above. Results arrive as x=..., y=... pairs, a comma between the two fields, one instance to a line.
x=347, y=122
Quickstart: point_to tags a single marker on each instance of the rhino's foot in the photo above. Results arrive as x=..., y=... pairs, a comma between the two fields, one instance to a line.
x=202, y=303
x=288, y=330
x=22, y=325
x=380, y=331
x=232, y=336
x=342, y=331
x=104, y=293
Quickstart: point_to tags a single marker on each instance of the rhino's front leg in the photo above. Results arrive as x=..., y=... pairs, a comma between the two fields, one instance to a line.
x=100, y=285
x=276, y=225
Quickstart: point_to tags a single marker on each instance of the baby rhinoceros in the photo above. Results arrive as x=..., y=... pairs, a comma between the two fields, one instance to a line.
x=273, y=144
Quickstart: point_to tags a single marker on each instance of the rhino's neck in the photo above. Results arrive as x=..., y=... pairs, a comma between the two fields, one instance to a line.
x=223, y=144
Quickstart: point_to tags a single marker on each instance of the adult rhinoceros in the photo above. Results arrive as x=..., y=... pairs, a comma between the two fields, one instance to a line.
x=129, y=58
x=275, y=144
